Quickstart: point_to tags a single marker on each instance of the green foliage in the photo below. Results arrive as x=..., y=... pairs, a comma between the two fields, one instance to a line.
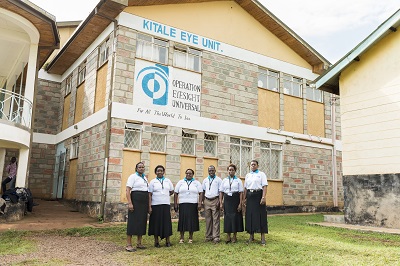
x=15, y=242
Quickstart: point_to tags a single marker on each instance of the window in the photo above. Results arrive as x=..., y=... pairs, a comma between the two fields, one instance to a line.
x=82, y=73
x=104, y=50
x=74, y=148
x=132, y=136
x=268, y=79
x=292, y=85
x=187, y=58
x=271, y=160
x=210, y=144
x=68, y=85
x=188, y=142
x=152, y=49
x=313, y=94
x=241, y=155
x=158, y=139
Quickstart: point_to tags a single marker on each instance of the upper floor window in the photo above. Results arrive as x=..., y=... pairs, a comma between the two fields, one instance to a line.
x=82, y=73
x=187, y=58
x=241, y=155
x=158, y=139
x=104, y=50
x=132, y=137
x=74, y=148
x=313, y=94
x=151, y=48
x=210, y=144
x=188, y=142
x=271, y=159
x=268, y=79
x=292, y=85
x=68, y=85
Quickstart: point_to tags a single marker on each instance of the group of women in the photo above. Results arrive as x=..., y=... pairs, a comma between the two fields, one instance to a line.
x=154, y=198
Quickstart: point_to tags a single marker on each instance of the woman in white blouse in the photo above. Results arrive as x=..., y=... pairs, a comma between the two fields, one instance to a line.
x=230, y=198
x=138, y=206
x=188, y=193
x=160, y=190
x=255, y=192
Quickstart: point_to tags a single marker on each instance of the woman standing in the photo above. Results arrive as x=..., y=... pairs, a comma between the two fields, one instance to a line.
x=138, y=206
x=189, y=193
x=256, y=211
x=230, y=199
x=160, y=190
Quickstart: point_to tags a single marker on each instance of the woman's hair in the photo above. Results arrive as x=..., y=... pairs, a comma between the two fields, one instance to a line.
x=138, y=165
x=159, y=166
x=231, y=165
x=190, y=170
x=255, y=161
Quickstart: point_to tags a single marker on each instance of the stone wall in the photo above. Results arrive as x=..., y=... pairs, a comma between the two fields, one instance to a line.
x=307, y=176
x=372, y=200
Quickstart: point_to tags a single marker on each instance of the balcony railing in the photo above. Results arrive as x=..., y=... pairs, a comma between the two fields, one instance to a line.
x=15, y=108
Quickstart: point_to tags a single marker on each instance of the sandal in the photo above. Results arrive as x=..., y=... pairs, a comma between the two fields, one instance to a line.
x=263, y=243
x=129, y=248
x=190, y=241
x=228, y=241
x=181, y=241
x=234, y=240
x=140, y=247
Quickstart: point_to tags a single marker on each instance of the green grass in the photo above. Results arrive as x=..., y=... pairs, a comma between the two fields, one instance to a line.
x=292, y=241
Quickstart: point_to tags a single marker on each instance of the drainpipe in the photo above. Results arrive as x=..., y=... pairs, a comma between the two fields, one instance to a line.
x=334, y=170
x=109, y=108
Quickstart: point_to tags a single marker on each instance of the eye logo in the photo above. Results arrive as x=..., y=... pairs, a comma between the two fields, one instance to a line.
x=154, y=80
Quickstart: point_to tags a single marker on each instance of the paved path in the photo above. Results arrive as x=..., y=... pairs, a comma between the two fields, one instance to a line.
x=50, y=215
x=360, y=228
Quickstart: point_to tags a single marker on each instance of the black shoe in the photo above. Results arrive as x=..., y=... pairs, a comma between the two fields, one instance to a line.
x=168, y=244
x=157, y=245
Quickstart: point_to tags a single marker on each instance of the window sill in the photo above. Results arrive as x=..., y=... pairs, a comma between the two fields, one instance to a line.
x=102, y=64
x=75, y=158
x=210, y=157
x=275, y=180
x=158, y=152
x=294, y=96
x=188, y=155
x=79, y=84
x=132, y=149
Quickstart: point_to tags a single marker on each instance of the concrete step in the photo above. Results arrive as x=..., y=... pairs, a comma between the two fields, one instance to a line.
x=334, y=219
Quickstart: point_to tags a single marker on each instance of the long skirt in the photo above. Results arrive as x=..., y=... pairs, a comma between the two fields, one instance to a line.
x=137, y=219
x=188, y=218
x=233, y=220
x=256, y=214
x=160, y=221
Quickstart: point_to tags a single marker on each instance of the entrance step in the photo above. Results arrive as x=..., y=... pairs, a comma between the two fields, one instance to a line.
x=339, y=219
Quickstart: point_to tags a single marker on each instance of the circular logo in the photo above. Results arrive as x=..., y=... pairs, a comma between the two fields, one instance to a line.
x=154, y=82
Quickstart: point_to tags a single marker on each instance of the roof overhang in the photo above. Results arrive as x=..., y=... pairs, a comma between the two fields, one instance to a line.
x=329, y=81
x=98, y=20
x=43, y=21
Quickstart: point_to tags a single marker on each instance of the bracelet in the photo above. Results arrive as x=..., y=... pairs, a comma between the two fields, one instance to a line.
x=263, y=197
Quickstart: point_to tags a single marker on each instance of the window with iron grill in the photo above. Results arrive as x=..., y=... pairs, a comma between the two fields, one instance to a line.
x=132, y=137
x=82, y=73
x=271, y=160
x=104, y=50
x=210, y=145
x=292, y=85
x=158, y=139
x=241, y=155
x=74, y=148
x=268, y=79
x=68, y=85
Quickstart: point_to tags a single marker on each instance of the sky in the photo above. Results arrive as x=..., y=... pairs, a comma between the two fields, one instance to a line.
x=331, y=27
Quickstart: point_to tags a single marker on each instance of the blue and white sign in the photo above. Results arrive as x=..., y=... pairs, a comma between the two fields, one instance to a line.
x=167, y=89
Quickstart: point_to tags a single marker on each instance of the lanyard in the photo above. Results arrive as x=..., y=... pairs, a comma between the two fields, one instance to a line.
x=142, y=177
x=161, y=180
x=230, y=182
x=188, y=182
x=210, y=181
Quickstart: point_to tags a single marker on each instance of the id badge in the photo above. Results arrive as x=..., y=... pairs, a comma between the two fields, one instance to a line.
x=230, y=194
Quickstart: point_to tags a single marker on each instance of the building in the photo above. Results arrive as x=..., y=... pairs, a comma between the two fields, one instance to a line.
x=28, y=36
x=368, y=81
x=185, y=85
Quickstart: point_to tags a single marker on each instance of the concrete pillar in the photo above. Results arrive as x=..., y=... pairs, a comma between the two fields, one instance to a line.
x=22, y=168
x=30, y=85
x=2, y=162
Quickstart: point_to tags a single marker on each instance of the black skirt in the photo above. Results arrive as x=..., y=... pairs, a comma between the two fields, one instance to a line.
x=256, y=214
x=160, y=223
x=137, y=219
x=233, y=220
x=188, y=217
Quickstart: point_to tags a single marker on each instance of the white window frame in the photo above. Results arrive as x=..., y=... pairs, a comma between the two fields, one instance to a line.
x=272, y=147
x=268, y=75
x=104, y=52
x=82, y=73
x=214, y=141
x=133, y=127
x=68, y=85
x=153, y=43
x=161, y=131
x=312, y=94
x=188, y=52
x=189, y=135
x=74, y=148
x=242, y=172
x=290, y=83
